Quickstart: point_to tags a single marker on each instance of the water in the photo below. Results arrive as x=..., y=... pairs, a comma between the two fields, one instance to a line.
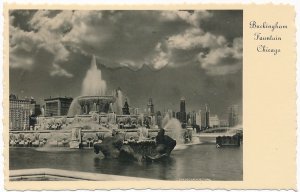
x=119, y=102
x=93, y=83
x=173, y=128
x=203, y=162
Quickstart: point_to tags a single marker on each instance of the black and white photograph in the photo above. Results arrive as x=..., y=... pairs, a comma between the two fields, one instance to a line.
x=137, y=95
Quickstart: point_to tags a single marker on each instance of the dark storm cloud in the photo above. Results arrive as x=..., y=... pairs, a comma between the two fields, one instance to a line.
x=228, y=23
x=162, y=54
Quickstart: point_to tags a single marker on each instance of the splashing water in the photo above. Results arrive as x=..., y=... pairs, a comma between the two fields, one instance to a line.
x=74, y=108
x=93, y=83
x=173, y=128
x=119, y=101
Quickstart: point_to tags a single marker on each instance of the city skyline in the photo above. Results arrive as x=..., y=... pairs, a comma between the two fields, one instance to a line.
x=231, y=117
x=187, y=54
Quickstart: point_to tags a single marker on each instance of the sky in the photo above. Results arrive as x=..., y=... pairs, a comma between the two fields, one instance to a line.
x=165, y=55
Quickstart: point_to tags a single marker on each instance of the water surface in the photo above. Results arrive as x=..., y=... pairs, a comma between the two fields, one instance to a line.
x=203, y=162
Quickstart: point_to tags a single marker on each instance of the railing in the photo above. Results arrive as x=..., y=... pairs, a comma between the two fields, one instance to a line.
x=58, y=174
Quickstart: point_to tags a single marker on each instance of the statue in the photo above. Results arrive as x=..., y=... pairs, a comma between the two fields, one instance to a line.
x=143, y=149
x=75, y=138
x=43, y=111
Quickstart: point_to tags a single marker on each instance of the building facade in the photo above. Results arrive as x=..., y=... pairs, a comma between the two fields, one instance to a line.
x=19, y=113
x=181, y=115
x=233, y=115
x=57, y=106
x=159, y=119
x=150, y=107
x=214, y=121
x=125, y=108
x=198, y=118
x=207, y=117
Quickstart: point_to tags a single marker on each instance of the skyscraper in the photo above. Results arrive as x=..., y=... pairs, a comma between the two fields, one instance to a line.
x=207, y=125
x=198, y=119
x=181, y=115
x=150, y=107
x=182, y=104
x=159, y=119
x=233, y=116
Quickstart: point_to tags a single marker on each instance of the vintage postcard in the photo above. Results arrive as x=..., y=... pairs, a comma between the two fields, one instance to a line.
x=149, y=96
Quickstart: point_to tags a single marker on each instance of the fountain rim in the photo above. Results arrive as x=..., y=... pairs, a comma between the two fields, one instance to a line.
x=107, y=98
x=96, y=96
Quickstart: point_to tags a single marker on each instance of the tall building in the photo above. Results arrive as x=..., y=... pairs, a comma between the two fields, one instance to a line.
x=125, y=109
x=191, y=118
x=159, y=119
x=198, y=118
x=19, y=113
x=181, y=115
x=207, y=111
x=182, y=105
x=150, y=107
x=233, y=115
x=57, y=106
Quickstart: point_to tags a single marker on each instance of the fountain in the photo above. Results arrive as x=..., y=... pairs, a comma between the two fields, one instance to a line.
x=93, y=98
x=144, y=148
x=173, y=128
x=93, y=83
x=183, y=137
x=119, y=101
x=75, y=138
x=94, y=113
x=83, y=116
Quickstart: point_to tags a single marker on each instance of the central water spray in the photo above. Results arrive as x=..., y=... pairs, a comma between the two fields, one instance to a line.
x=93, y=83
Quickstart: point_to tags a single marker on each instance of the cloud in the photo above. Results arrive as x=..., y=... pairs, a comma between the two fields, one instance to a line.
x=23, y=47
x=58, y=71
x=161, y=58
x=224, y=59
x=122, y=39
x=194, y=38
x=192, y=17
x=213, y=53
x=45, y=35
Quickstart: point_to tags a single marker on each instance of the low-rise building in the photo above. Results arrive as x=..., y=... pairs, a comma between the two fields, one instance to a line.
x=57, y=106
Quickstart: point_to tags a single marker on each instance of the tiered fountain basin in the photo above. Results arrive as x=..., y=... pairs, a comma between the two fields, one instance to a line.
x=62, y=138
x=99, y=104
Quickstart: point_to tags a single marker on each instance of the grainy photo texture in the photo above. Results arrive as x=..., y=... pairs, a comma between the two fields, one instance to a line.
x=125, y=95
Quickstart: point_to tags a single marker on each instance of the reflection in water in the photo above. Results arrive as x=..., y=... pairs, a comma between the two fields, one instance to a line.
x=194, y=162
